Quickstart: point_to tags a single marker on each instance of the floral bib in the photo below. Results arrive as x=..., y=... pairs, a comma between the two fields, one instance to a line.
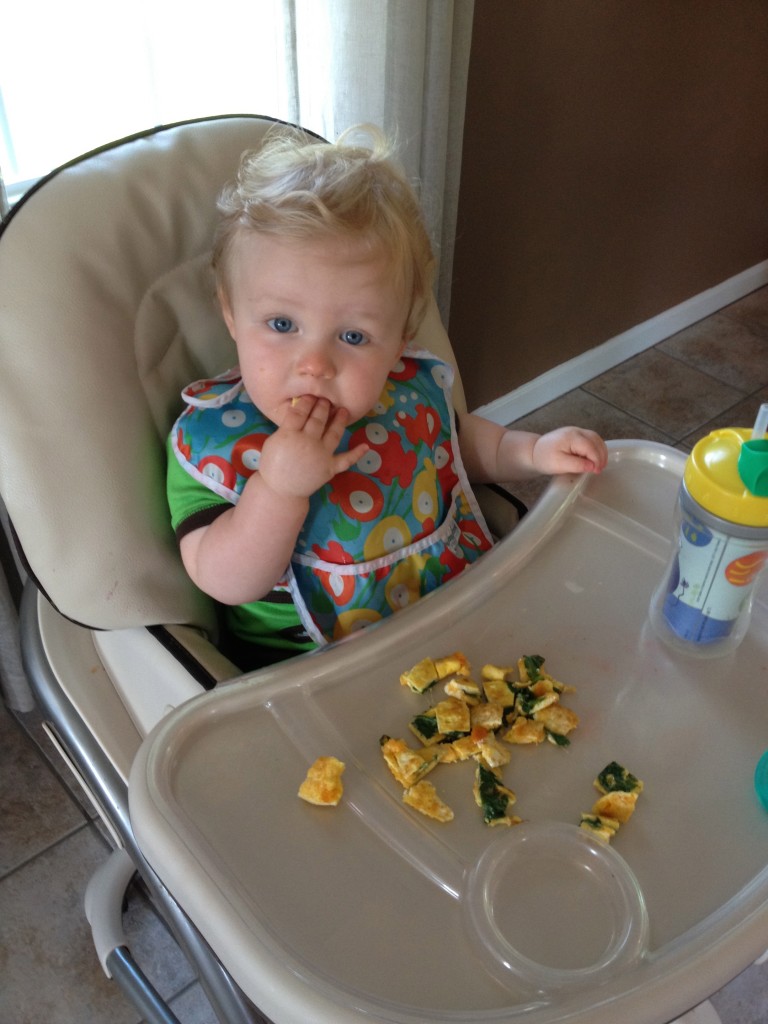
x=378, y=537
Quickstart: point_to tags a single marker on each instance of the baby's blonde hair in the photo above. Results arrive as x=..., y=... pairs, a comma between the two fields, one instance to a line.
x=301, y=188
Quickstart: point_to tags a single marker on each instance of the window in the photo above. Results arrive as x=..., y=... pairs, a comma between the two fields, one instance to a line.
x=76, y=75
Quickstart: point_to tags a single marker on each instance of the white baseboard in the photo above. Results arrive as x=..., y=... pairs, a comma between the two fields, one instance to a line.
x=577, y=371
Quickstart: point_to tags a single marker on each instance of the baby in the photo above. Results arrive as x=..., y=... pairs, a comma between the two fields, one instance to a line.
x=325, y=482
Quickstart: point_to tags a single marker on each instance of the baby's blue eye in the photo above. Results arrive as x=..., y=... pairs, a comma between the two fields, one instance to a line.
x=354, y=337
x=281, y=324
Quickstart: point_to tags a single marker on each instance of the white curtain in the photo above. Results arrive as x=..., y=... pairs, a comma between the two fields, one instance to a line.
x=401, y=64
x=326, y=64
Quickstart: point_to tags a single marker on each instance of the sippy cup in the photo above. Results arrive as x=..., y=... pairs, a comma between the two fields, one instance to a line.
x=702, y=605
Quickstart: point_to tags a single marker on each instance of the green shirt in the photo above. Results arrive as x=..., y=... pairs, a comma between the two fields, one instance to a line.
x=271, y=622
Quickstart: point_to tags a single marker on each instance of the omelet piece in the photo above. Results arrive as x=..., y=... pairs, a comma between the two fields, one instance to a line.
x=464, y=689
x=452, y=715
x=533, y=674
x=529, y=667
x=504, y=672
x=525, y=730
x=528, y=703
x=464, y=747
x=408, y=765
x=547, y=685
x=492, y=753
x=421, y=676
x=452, y=664
x=322, y=785
x=493, y=797
x=498, y=691
x=448, y=755
x=423, y=797
x=488, y=715
x=606, y=828
x=615, y=777
x=557, y=719
x=424, y=727
x=617, y=805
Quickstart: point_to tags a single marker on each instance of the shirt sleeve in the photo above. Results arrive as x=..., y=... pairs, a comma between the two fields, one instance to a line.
x=191, y=503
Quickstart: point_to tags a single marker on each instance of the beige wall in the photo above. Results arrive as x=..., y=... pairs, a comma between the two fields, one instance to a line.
x=615, y=164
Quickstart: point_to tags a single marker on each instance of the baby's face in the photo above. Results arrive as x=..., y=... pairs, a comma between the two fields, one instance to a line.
x=321, y=317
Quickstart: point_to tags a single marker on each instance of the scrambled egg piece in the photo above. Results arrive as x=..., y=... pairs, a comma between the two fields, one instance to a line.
x=452, y=715
x=492, y=752
x=424, y=727
x=619, y=806
x=498, y=691
x=557, y=719
x=423, y=797
x=493, y=797
x=464, y=747
x=323, y=786
x=497, y=672
x=525, y=730
x=487, y=715
x=606, y=828
x=620, y=790
x=464, y=688
x=615, y=778
x=453, y=664
x=408, y=765
x=421, y=676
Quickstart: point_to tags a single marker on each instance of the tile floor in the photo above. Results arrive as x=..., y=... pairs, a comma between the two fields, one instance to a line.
x=712, y=374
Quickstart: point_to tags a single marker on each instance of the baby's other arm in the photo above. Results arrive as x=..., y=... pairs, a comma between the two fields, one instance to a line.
x=493, y=454
x=242, y=554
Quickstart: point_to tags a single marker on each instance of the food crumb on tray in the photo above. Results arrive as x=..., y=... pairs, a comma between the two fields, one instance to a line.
x=322, y=785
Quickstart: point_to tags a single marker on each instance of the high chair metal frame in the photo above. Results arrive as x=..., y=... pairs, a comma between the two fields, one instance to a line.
x=107, y=309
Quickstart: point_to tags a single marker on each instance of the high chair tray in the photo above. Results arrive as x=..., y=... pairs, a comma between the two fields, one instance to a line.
x=371, y=912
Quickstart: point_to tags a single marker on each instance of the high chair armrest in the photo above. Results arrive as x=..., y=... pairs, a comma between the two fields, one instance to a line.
x=151, y=677
x=502, y=510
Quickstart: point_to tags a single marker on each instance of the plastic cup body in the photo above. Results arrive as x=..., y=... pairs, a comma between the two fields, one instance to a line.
x=703, y=603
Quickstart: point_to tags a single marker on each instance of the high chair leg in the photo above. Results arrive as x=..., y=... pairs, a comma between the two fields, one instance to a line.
x=104, y=899
x=127, y=973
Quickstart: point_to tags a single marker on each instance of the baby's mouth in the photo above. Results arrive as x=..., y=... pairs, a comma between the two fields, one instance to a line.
x=314, y=398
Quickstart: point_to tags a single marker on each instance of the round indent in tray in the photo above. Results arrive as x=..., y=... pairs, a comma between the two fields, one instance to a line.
x=555, y=907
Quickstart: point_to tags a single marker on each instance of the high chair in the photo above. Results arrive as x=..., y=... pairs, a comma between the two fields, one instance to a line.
x=107, y=309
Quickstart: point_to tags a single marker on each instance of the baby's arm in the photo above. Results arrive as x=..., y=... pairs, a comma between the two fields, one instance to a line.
x=242, y=554
x=493, y=454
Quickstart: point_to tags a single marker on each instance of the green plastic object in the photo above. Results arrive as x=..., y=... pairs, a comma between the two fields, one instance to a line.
x=761, y=780
x=753, y=467
x=753, y=457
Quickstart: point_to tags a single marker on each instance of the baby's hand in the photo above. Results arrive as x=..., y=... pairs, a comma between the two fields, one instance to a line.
x=570, y=450
x=301, y=454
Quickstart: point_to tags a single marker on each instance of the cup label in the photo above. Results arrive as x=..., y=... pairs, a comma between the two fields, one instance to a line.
x=711, y=581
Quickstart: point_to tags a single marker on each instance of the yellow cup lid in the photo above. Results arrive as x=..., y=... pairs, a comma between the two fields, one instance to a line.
x=712, y=479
